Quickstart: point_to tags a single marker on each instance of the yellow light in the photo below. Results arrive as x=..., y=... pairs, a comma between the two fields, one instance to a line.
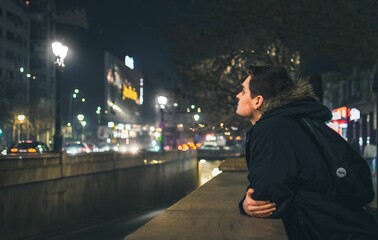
x=129, y=92
x=32, y=150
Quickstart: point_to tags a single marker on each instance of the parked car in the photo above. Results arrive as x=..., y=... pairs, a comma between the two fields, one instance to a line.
x=75, y=148
x=28, y=147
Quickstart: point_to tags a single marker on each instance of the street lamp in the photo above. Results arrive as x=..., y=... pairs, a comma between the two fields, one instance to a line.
x=21, y=119
x=162, y=103
x=60, y=53
x=83, y=123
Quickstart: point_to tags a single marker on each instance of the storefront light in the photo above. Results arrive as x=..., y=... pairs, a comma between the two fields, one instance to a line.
x=354, y=114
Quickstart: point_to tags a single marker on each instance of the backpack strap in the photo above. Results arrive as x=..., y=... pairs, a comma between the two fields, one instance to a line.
x=307, y=124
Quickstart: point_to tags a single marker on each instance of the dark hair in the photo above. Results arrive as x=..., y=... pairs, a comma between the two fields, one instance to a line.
x=269, y=81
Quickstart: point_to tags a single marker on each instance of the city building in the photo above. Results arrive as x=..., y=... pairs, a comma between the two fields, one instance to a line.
x=15, y=74
x=352, y=101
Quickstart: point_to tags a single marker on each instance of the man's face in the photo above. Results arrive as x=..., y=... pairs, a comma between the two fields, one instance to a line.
x=247, y=106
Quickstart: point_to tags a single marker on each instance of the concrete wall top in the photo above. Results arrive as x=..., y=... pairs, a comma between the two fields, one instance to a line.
x=211, y=212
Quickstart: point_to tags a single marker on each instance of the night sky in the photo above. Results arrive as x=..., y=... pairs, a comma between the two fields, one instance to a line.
x=122, y=28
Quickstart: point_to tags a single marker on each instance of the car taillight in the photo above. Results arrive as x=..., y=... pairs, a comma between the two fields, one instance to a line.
x=13, y=150
x=32, y=150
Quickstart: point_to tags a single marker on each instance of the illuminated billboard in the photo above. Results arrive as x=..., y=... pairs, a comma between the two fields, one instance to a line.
x=122, y=90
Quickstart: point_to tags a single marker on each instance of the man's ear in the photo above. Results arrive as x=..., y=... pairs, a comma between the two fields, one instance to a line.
x=258, y=101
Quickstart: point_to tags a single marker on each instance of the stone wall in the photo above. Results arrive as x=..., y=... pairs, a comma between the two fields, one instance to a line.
x=40, y=196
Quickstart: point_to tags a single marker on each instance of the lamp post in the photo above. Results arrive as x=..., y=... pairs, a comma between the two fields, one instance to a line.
x=162, y=100
x=21, y=119
x=60, y=53
x=81, y=117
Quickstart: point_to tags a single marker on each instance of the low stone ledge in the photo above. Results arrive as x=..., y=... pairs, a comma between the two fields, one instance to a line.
x=211, y=212
x=233, y=165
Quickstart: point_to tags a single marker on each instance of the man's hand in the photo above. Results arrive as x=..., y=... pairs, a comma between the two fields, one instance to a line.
x=257, y=208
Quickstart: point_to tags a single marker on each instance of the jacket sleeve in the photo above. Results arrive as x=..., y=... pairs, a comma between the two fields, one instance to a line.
x=273, y=167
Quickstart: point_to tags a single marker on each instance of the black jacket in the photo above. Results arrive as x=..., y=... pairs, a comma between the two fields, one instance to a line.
x=285, y=167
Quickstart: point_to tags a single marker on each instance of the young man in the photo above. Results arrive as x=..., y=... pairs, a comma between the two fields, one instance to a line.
x=288, y=176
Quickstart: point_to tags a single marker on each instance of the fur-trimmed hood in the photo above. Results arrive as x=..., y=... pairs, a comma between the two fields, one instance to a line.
x=299, y=101
x=300, y=90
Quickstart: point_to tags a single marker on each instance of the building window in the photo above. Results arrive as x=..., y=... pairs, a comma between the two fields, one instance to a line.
x=9, y=55
x=9, y=74
x=15, y=38
x=16, y=20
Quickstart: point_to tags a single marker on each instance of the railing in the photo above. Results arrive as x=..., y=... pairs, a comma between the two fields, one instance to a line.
x=211, y=212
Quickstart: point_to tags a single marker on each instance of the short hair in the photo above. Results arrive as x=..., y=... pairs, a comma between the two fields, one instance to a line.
x=269, y=81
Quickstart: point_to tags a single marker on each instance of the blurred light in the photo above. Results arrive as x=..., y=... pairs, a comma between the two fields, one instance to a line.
x=141, y=93
x=162, y=100
x=192, y=107
x=60, y=51
x=175, y=104
x=196, y=117
x=74, y=95
x=210, y=137
x=76, y=90
x=32, y=150
x=354, y=114
x=21, y=117
x=69, y=124
x=83, y=123
x=128, y=127
x=215, y=172
x=80, y=117
x=152, y=129
x=110, y=124
x=34, y=77
x=202, y=161
x=22, y=69
x=198, y=109
x=83, y=99
x=28, y=75
x=13, y=150
x=129, y=62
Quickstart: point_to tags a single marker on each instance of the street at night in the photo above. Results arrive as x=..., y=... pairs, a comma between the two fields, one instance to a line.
x=124, y=118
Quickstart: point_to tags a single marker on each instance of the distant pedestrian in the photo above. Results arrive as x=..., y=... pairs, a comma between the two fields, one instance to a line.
x=289, y=177
x=370, y=155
